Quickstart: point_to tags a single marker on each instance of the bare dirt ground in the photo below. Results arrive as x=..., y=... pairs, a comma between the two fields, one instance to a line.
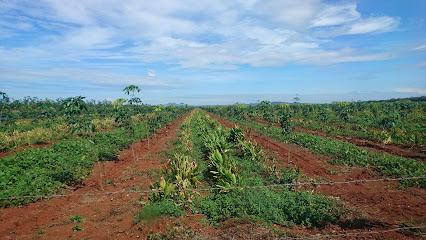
x=373, y=206
x=415, y=152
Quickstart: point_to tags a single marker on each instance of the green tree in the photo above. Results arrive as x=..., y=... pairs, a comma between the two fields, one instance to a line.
x=73, y=106
x=286, y=123
x=130, y=90
x=5, y=111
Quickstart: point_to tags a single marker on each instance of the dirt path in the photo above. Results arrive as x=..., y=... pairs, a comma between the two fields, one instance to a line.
x=381, y=204
x=106, y=216
x=415, y=152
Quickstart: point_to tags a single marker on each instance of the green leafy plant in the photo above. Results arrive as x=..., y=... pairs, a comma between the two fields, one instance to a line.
x=251, y=149
x=286, y=208
x=77, y=228
x=236, y=134
x=130, y=90
x=217, y=140
x=182, y=168
x=286, y=123
x=77, y=218
x=158, y=208
x=162, y=190
x=224, y=170
x=74, y=106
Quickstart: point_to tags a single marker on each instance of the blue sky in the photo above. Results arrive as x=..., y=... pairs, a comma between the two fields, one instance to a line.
x=214, y=52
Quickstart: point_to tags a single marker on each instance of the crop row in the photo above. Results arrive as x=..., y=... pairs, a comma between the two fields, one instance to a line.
x=396, y=135
x=46, y=170
x=346, y=153
x=400, y=122
x=222, y=159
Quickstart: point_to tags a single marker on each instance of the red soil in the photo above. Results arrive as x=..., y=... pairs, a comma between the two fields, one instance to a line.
x=382, y=204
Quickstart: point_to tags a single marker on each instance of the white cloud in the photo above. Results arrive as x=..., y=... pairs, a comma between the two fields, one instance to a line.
x=294, y=14
x=410, y=90
x=336, y=20
x=336, y=15
x=377, y=24
x=90, y=38
x=215, y=34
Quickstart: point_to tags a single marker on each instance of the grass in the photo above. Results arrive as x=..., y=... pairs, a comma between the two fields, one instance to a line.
x=157, y=209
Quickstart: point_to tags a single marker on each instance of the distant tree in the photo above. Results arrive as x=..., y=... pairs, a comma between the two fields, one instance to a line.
x=265, y=103
x=296, y=99
x=6, y=115
x=4, y=98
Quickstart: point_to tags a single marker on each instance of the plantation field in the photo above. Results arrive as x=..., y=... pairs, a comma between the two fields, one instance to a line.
x=232, y=172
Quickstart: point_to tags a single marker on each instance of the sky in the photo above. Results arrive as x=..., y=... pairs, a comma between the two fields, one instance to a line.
x=214, y=51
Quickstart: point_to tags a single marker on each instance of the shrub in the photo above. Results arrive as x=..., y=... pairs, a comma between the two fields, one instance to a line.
x=284, y=208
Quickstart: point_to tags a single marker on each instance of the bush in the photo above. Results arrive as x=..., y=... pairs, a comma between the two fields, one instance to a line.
x=284, y=208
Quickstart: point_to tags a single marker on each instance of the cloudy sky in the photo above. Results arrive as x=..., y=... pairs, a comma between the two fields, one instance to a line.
x=213, y=51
